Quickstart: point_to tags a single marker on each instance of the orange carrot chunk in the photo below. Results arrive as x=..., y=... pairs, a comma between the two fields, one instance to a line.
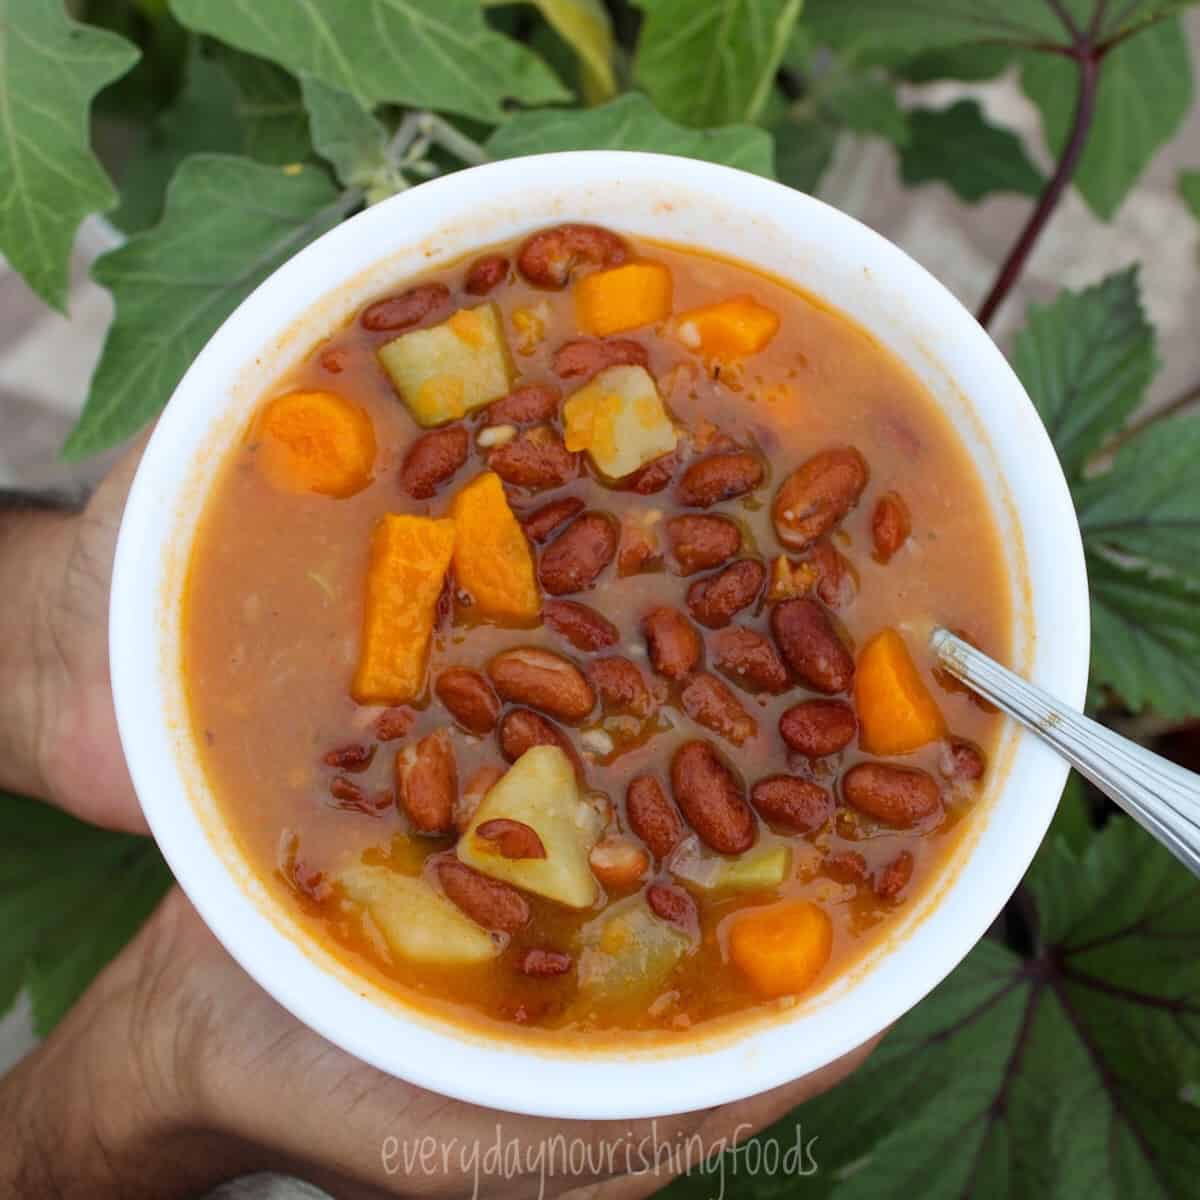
x=639, y=293
x=409, y=558
x=316, y=442
x=783, y=947
x=731, y=329
x=896, y=713
x=492, y=560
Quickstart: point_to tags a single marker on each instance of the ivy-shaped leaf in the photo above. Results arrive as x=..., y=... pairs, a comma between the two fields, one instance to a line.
x=958, y=147
x=50, y=68
x=71, y=896
x=711, y=63
x=1086, y=360
x=1060, y=1074
x=228, y=224
x=351, y=140
x=271, y=110
x=1145, y=91
x=1189, y=190
x=428, y=55
x=631, y=123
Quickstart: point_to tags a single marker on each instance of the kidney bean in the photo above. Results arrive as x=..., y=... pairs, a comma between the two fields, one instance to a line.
x=621, y=687
x=618, y=862
x=699, y=543
x=673, y=905
x=534, y=404
x=899, y=796
x=407, y=309
x=895, y=877
x=540, y=963
x=713, y=601
x=720, y=477
x=485, y=274
x=521, y=730
x=574, y=560
x=355, y=757
x=672, y=641
x=540, y=525
x=709, y=702
x=583, y=627
x=543, y=680
x=790, y=803
x=394, y=723
x=427, y=783
x=750, y=661
x=471, y=797
x=652, y=816
x=891, y=525
x=817, y=496
x=349, y=797
x=711, y=799
x=961, y=760
x=837, y=581
x=512, y=839
x=469, y=699
x=548, y=257
x=654, y=476
x=810, y=645
x=432, y=459
x=488, y=902
x=536, y=459
x=847, y=867
x=585, y=357
x=816, y=728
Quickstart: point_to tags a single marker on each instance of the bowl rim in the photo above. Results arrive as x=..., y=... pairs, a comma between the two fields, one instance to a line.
x=488, y=1071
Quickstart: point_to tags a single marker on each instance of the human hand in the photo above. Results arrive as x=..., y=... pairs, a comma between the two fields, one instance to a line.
x=176, y=1071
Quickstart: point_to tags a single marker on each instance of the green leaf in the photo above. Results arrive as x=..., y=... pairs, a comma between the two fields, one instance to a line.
x=865, y=104
x=803, y=151
x=973, y=63
x=50, y=68
x=957, y=146
x=707, y=64
x=202, y=120
x=351, y=140
x=1058, y=1075
x=631, y=123
x=587, y=28
x=1086, y=360
x=1145, y=637
x=1189, y=190
x=71, y=896
x=1145, y=91
x=229, y=223
x=427, y=55
x=1146, y=505
x=270, y=108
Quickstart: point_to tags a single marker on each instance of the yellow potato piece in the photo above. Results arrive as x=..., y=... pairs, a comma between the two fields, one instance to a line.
x=620, y=421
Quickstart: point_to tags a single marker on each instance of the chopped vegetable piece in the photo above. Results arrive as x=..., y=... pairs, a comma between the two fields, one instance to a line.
x=619, y=419
x=539, y=791
x=316, y=442
x=731, y=329
x=896, y=712
x=628, y=952
x=448, y=370
x=638, y=293
x=417, y=923
x=782, y=947
x=760, y=871
x=409, y=557
x=492, y=559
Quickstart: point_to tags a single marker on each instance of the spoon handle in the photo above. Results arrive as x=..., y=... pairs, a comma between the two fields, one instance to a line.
x=1162, y=797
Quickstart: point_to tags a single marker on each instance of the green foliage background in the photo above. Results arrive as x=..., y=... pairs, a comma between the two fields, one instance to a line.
x=1062, y=1058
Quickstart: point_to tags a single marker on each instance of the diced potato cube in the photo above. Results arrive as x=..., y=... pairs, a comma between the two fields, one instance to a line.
x=409, y=557
x=539, y=790
x=638, y=293
x=448, y=370
x=417, y=923
x=628, y=952
x=492, y=560
x=761, y=870
x=619, y=419
x=731, y=329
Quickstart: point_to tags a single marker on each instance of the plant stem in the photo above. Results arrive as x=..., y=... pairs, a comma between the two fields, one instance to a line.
x=1181, y=403
x=1085, y=106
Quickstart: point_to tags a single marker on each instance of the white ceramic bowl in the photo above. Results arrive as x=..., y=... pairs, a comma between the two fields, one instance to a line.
x=678, y=200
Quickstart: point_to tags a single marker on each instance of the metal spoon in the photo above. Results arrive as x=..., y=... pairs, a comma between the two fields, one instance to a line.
x=1162, y=797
